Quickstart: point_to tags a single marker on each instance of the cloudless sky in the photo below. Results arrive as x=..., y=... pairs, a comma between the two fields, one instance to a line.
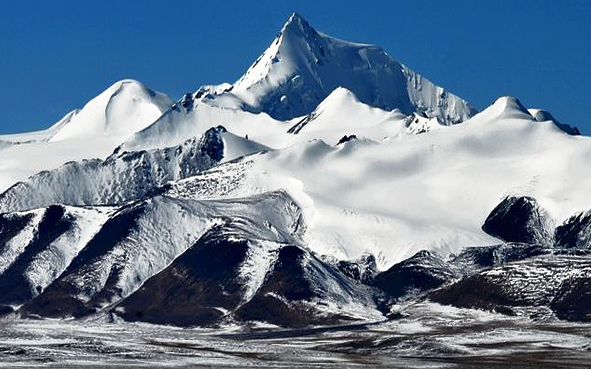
x=57, y=55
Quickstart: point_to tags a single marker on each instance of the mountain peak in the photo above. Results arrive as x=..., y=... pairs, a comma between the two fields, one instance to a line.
x=296, y=25
x=541, y=115
x=340, y=95
x=509, y=101
x=295, y=20
x=302, y=67
x=510, y=107
x=122, y=109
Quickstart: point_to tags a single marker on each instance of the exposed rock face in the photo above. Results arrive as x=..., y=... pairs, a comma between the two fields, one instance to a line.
x=301, y=290
x=296, y=128
x=197, y=289
x=346, y=139
x=491, y=256
x=207, y=285
x=363, y=270
x=283, y=297
x=427, y=271
x=417, y=124
x=477, y=292
x=212, y=145
x=54, y=223
x=10, y=226
x=520, y=219
x=572, y=301
x=574, y=232
x=526, y=275
x=422, y=272
x=557, y=282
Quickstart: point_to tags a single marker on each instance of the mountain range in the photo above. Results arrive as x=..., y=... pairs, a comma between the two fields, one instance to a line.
x=328, y=184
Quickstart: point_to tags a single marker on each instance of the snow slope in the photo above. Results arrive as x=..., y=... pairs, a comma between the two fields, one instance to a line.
x=411, y=192
x=36, y=136
x=193, y=117
x=135, y=243
x=542, y=115
x=125, y=176
x=341, y=113
x=93, y=132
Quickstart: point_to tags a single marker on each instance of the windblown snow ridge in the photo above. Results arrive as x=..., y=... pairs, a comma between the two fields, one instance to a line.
x=123, y=176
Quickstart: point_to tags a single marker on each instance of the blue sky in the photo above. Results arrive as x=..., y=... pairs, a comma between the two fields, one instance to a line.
x=55, y=56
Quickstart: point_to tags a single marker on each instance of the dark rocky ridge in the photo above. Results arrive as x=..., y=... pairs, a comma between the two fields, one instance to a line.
x=11, y=225
x=557, y=282
x=519, y=219
x=205, y=286
x=541, y=271
x=283, y=296
x=496, y=255
x=346, y=138
x=196, y=288
x=575, y=232
x=53, y=224
x=422, y=272
x=298, y=290
x=60, y=299
x=363, y=270
x=572, y=300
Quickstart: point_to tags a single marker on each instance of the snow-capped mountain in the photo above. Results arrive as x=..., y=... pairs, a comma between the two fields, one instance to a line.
x=122, y=109
x=252, y=247
x=396, y=196
x=342, y=111
x=92, y=132
x=327, y=185
x=300, y=70
x=303, y=66
x=339, y=114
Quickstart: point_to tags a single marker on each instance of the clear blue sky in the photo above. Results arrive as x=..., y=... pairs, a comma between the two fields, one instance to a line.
x=56, y=55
